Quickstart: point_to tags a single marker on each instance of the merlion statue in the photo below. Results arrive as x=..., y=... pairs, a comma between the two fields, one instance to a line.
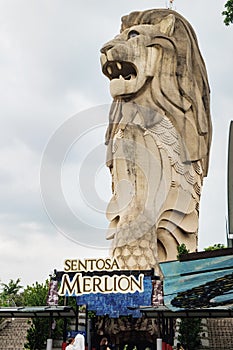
x=158, y=138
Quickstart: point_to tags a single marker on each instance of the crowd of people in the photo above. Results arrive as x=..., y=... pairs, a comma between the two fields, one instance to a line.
x=78, y=343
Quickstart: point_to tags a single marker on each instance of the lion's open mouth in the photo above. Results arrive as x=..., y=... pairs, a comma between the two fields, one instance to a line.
x=119, y=70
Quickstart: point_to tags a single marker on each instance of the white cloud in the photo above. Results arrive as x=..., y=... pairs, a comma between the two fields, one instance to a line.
x=34, y=254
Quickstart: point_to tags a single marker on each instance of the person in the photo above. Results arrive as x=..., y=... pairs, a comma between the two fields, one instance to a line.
x=79, y=342
x=104, y=344
x=70, y=344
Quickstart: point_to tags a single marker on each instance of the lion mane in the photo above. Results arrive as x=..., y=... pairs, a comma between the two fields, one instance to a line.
x=180, y=84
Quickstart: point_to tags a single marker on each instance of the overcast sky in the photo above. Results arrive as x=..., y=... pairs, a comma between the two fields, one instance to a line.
x=54, y=112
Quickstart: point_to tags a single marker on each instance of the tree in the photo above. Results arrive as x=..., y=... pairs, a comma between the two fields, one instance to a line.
x=181, y=249
x=189, y=330
x=215, y=247
x=228, y=12
x=36, y=295
x=10, y=293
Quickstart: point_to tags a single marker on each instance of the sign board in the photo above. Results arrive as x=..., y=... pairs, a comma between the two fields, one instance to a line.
x=104, y=288
x=83, y=283
x=198, y=283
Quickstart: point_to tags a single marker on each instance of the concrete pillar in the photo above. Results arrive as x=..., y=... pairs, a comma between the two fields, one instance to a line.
x=49, y=344
x=159, y=344
x=89, y=333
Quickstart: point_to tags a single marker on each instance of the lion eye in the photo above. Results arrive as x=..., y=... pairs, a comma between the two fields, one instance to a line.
x=132, y=34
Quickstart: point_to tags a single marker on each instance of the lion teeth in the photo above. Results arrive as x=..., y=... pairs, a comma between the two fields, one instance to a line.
x=120, y=77
x=119, y=66
x=109, y=69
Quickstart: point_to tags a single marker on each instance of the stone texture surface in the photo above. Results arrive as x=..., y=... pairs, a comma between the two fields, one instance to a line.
x=220, y=333
x=158, y=138
x=13, y=334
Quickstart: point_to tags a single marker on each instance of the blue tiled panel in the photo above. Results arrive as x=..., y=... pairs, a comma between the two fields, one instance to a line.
x=198, y=283
x=116, y=304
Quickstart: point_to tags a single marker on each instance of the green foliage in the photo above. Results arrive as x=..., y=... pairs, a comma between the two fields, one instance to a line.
x=189, y=330
x=91, y=314
x=36, y=295
x=71, y=301
x=228, y=13
x=181, y=249
x=215, y=247
x=37, y=334
x=10, y=293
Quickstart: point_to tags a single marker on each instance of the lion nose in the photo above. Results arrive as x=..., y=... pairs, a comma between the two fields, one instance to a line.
x=106, y=47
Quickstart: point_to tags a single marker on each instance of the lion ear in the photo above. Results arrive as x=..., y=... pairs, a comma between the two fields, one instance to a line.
x=167, y=25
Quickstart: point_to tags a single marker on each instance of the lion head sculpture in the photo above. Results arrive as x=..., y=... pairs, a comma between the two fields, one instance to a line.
x=157, y=51
x=155, y=64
